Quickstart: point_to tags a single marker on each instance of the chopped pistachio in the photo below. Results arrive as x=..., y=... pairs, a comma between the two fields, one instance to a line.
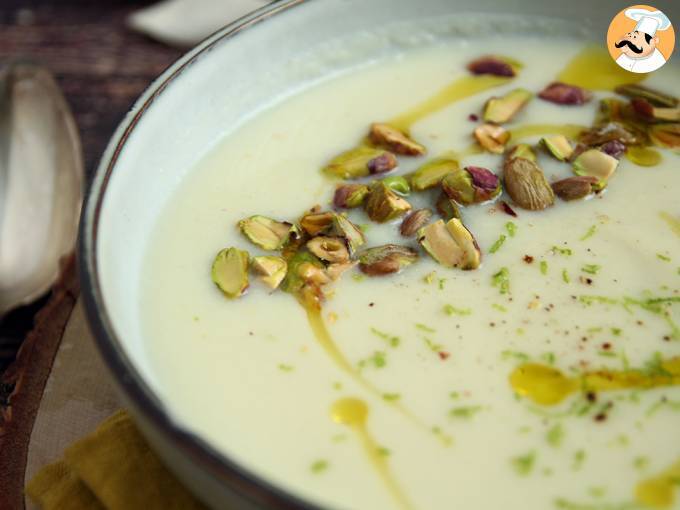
x=395, y=140
x=501, y=279
x=398, y=184
x=452, y=310
x=273, y=269
x=666, y=135
x=450, y=244
x=497, y=245
x=431, y=173
x=591, y=268
x=567, y=252
x=386, y=259
x=511, y=228
x=341, y=226
x=265, y=232
x=526, y=184
x=500, y=110
x=558, y=146
x=544, y=267
x=650, y=113
x=360, y=162
x=494, y=65
x=492, y=138
x=447, y=208
x=330, y=249
x=471, y=185
x=521, y=150
x=414, y=222
x=384, y=205
x=634, y=90
x=349, y=196
x=599, y=135
x=316, y=223
x=304, y=270
x=589, y=233
x=230, y=271
x=562, y=93
x=575, y=188
x=595, y=163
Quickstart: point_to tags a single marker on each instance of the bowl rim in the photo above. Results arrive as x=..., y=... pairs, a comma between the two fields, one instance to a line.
x=219, y=466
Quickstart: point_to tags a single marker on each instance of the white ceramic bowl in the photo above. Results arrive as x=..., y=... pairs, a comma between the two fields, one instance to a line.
x=177, y=120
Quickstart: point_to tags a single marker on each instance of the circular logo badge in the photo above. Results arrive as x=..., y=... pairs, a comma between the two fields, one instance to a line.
x=640, y=39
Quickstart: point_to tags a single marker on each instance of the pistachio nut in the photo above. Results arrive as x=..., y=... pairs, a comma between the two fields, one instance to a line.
x=575, y=188
x=330, y=249
x=526, y=184
x=656, y=98
x=651, y=113
x=265, y=232
x=300, y=271
x=272, y=270
x=492, y=138
x=496, y=66
x=606, y=133
x=450, y=244
x=431, y=173
x=394, y=140
x=558, y=146
x=383, y=204
x=521, y=150
x=398, y=184
x=343, y=227
x=230, y=271
x=472, y=185
x=360, y=162
x=390, y=258
x=561, y=93
x=595, y=163
x=500, y=110
x=666, y=135
x=414, y=222
x=348, y=196
x=447, y=207
x=315, y=223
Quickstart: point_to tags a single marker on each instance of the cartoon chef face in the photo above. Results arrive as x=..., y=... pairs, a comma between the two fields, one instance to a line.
x=637, y=44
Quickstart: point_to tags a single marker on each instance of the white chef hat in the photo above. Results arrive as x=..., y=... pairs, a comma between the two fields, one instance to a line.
x=648, y=21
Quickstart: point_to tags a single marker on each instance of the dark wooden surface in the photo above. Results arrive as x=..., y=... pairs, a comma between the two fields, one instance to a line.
x=100, y=65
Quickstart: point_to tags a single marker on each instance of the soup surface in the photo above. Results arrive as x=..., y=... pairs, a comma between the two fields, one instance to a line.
x=545, y=378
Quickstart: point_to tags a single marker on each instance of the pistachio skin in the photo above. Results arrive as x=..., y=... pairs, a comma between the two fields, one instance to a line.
x=655, y=97
x=492, y=65
x=384, y=205
x=387, y=259
x=447, y=207
x=561, y=93
x=230, y=272
x=526, y=184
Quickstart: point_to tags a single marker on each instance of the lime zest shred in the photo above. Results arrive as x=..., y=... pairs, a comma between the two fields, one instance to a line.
x=590, y=233
x=501, y=279
x=452, y=310
x=497, y=245
x=511, y=228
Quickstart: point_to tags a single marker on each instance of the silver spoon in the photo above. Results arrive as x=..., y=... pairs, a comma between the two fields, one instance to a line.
x=41, y=181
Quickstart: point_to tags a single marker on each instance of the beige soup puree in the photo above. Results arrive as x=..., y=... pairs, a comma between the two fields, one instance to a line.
x=542, y=376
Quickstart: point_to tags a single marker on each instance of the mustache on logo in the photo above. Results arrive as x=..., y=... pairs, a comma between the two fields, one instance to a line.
x=626, y=42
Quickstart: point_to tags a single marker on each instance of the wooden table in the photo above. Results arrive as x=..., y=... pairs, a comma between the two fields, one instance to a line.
x=101, y=66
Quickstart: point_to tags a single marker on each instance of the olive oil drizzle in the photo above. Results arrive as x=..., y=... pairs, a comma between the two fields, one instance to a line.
x=549, y=386
x=659, y=491
x=527, y=130
x=592, y=68
x=326, y=341
x=643, y=156
x=353, y=412
x=458, y=90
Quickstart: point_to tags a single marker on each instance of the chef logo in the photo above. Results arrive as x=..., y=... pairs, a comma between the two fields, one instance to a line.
x=640, y=39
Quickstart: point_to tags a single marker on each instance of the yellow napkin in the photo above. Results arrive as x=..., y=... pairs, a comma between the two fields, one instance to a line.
x=113, y=468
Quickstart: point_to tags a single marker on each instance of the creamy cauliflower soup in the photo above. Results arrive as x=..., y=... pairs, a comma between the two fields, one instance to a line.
x=446, y=279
